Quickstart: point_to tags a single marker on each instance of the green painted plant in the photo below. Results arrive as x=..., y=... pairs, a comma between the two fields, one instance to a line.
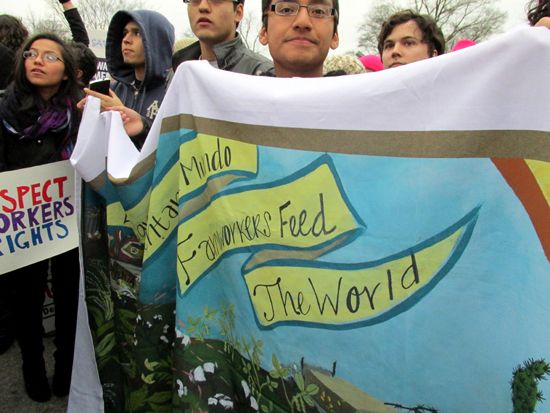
x=525, y=393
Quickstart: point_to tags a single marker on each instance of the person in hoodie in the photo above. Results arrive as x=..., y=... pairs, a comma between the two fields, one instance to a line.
x=139, y=56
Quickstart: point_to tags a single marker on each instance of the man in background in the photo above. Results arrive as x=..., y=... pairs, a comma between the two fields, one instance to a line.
x=215, y=22
x=408, y=37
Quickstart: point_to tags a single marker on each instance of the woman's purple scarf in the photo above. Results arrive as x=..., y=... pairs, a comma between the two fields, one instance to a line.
x=51, y=119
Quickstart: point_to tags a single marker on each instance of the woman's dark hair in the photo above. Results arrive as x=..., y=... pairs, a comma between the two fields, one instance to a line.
x=431, y=33
x=21, y=98
x=538, y=10
x=12, y=32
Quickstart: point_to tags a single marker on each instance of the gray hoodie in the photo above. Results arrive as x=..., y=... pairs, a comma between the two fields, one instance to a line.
x=157, y=34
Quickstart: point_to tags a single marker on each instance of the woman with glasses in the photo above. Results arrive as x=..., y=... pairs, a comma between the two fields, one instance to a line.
x=38, y=125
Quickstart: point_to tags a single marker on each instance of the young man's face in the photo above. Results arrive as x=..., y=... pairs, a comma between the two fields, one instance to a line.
x=299, y=44
x=405, y=45
x=215, y=21
x=133, y=52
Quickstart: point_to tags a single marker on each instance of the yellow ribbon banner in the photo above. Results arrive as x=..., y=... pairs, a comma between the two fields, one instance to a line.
x=340, y=294
x=304, y=211
x=155, y=217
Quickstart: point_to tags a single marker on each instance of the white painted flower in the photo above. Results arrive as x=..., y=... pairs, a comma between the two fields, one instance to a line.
x=198, y=374
x=182, y=390
x=165, y=328
x=253, y=403
x=185, y=339
x=245, y=388
x=209, y=367
x=148, y=324
x=226, y=403
x=222, y=400
x=157, y=317
x=138, y=318
x=164, y=339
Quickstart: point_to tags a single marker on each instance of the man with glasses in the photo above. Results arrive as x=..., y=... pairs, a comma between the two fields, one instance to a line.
x=299, y=35
x=214, y=22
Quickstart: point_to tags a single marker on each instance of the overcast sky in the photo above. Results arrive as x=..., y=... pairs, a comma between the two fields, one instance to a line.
x=352, y=13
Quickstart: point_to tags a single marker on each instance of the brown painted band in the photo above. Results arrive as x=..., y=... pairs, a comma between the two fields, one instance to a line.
x=520, y=144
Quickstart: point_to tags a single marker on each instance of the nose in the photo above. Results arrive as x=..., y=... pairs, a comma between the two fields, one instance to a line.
x=302, y=20
x=126, y=38
x=204, y=6
x=396, y=52
x=39, y=60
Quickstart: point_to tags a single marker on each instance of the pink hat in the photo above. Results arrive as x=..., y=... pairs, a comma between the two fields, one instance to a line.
x=462, y=44
x=371, y=62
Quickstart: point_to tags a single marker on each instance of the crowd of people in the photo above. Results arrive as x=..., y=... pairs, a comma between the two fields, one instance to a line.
x=44, y=88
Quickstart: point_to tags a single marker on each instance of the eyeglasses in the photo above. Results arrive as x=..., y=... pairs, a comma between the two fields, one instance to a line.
x=211, y=2
x=291, y=8
x=49, y=57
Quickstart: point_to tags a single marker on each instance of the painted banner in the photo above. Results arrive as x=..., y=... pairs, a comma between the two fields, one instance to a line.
x=37, y=214
x=368, y=243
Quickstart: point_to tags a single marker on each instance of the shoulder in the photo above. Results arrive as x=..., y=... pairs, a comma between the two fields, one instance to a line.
x=239, y=58
x=191, y=52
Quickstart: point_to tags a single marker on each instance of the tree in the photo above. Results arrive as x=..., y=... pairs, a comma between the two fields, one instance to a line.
x=96, y=15
x=458, y=19
x=249, y=27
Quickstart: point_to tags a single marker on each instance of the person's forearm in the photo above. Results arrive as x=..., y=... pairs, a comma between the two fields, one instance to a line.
x=76, y=24
x=139, y=139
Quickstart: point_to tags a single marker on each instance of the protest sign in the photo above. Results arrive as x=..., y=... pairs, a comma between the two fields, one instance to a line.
x=37, y=214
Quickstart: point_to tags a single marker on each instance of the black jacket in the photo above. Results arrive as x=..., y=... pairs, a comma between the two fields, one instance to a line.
x=17, y=153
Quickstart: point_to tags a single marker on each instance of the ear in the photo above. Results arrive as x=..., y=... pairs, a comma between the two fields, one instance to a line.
x=262, y=36
x=434, y=53
x=79, y=74
x=239, y=13
x=335, y=41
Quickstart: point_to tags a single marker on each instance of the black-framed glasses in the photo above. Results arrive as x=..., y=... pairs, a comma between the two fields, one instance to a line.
x=292, y=8
x=212, y=2
x=49, y=57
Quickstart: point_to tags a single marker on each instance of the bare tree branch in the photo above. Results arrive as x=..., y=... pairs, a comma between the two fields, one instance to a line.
x=249, y=27
x=96, y=14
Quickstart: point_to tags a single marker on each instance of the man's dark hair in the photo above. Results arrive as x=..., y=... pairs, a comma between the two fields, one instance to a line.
x=538, y=9
x=267, y=3
x=7, y=57
x=86, y=61
x=12, y=32
x=431, y=33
